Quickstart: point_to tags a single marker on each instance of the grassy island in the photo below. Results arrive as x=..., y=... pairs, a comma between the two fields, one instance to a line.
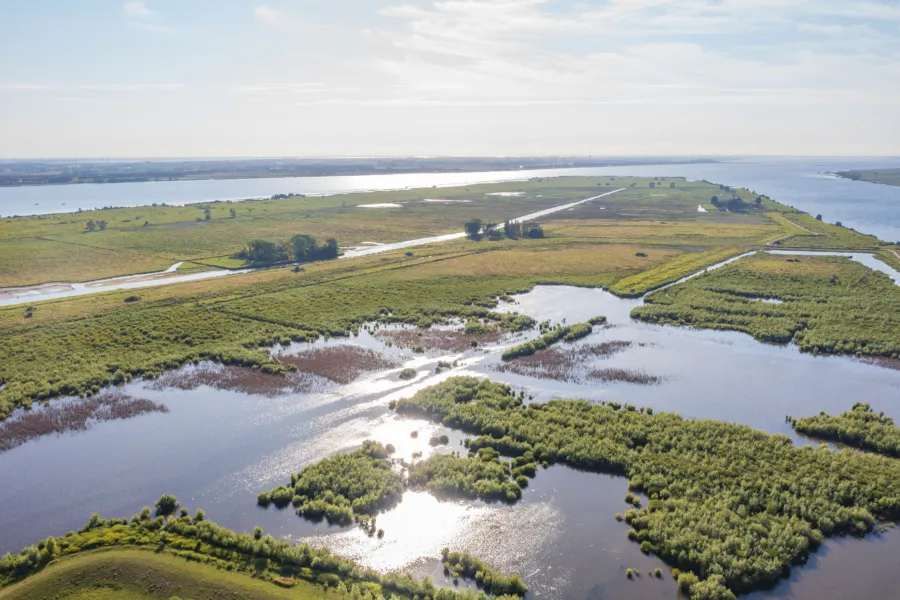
x=731, y=507
x=194, y=557
x=861, y=427
x=343, y=487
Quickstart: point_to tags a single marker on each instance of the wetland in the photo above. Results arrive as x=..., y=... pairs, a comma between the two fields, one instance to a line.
x=271, y=373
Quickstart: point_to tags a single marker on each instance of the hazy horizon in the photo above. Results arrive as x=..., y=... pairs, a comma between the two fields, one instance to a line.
x=452, y=78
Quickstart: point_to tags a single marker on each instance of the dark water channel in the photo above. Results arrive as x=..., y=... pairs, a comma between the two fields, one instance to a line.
x=217, y=449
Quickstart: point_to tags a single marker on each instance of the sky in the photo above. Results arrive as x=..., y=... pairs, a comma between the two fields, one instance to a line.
x=191, y=78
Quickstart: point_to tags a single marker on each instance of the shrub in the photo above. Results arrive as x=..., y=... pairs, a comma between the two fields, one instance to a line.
x=407, y=374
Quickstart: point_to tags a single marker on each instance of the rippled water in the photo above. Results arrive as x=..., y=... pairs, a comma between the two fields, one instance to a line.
x=218, y=449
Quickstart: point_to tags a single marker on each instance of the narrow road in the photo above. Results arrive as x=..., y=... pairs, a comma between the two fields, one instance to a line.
x=51, y=291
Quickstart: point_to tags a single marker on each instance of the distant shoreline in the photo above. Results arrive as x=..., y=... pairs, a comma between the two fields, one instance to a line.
x=55, y=173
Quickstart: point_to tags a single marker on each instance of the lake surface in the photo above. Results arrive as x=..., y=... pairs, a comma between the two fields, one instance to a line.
x=800, y=182
x=218, y=449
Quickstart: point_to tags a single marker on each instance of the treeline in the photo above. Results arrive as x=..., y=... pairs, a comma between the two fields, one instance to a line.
x=860, y=427
x=343, y=487
x=463, y=564
x=476, y=229
x=197, y=539
x=300, y=248
x=731, y=507
x=565, y=333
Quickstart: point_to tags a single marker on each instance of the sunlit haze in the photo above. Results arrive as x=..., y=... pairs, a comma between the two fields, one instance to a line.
x=99, y=78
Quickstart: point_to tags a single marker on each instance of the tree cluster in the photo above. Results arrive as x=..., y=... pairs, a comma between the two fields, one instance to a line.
x=300, y=248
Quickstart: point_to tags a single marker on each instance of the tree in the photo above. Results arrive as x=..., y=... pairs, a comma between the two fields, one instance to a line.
x=672, y=185
x=233, y=212
x=263, y=252
x=166, y=505
x=329, y=250
x=839, y=224
x=758, y=201
x=90, y=225
x=304, y=247
x=818, y=217
x=473, y=228
x=652, y=185
x=101, y=225
x=533, y=230
x=714, y=200
x=207, y=214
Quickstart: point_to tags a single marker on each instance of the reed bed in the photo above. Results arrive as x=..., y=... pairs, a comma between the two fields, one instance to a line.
x=624, y=375
x=568, y=364
x=75, y=415
x=443, y=340
x=341, y=364
x=239, y=379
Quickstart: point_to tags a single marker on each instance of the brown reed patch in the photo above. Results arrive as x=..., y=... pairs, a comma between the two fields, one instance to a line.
x=238, y=379
x=626, y=375
x=444, y=340
x=341, y=364
x=74, y=415
x=573, y=364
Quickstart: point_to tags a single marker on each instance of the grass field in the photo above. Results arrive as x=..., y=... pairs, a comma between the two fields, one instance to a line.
x=827, y=305
x=48, y=248
x=131, y=574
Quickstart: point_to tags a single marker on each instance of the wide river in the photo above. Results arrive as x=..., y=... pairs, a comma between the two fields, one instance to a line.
x=217, y=449
x=800, y=182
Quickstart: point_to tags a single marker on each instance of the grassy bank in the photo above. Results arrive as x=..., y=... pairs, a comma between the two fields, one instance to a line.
x=133, y=574
x=134, y=556
x=731, y=507
x=882, y=176
x=829, y=305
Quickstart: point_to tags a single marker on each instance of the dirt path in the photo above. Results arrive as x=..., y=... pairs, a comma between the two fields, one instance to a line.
x=790, y=235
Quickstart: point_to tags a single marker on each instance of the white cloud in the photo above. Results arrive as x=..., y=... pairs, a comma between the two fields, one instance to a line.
x=137, y=10
x=270, y=16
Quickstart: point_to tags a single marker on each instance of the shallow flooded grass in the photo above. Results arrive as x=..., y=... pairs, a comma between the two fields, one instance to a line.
x=341, y=364
x=74, y=415
x=577, y=364
x=441, y=340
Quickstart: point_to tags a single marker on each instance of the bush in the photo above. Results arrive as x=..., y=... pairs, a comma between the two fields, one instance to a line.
x=166, y=505
x=407, y=374
x=132, y=298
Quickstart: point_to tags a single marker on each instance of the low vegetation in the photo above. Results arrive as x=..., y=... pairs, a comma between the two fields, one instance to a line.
x=861, y=427
x=463, y=564
x=559, y=333
x=828, y=305
x=731, y=507
x=203, y=543
x=75, y=415
x=882, y=176
x=342, y=488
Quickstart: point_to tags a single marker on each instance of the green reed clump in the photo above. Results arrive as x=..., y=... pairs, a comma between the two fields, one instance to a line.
x=342, y=487
x=729, y=505
x=565, y=333
x=465, y=565
x=860, y=427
